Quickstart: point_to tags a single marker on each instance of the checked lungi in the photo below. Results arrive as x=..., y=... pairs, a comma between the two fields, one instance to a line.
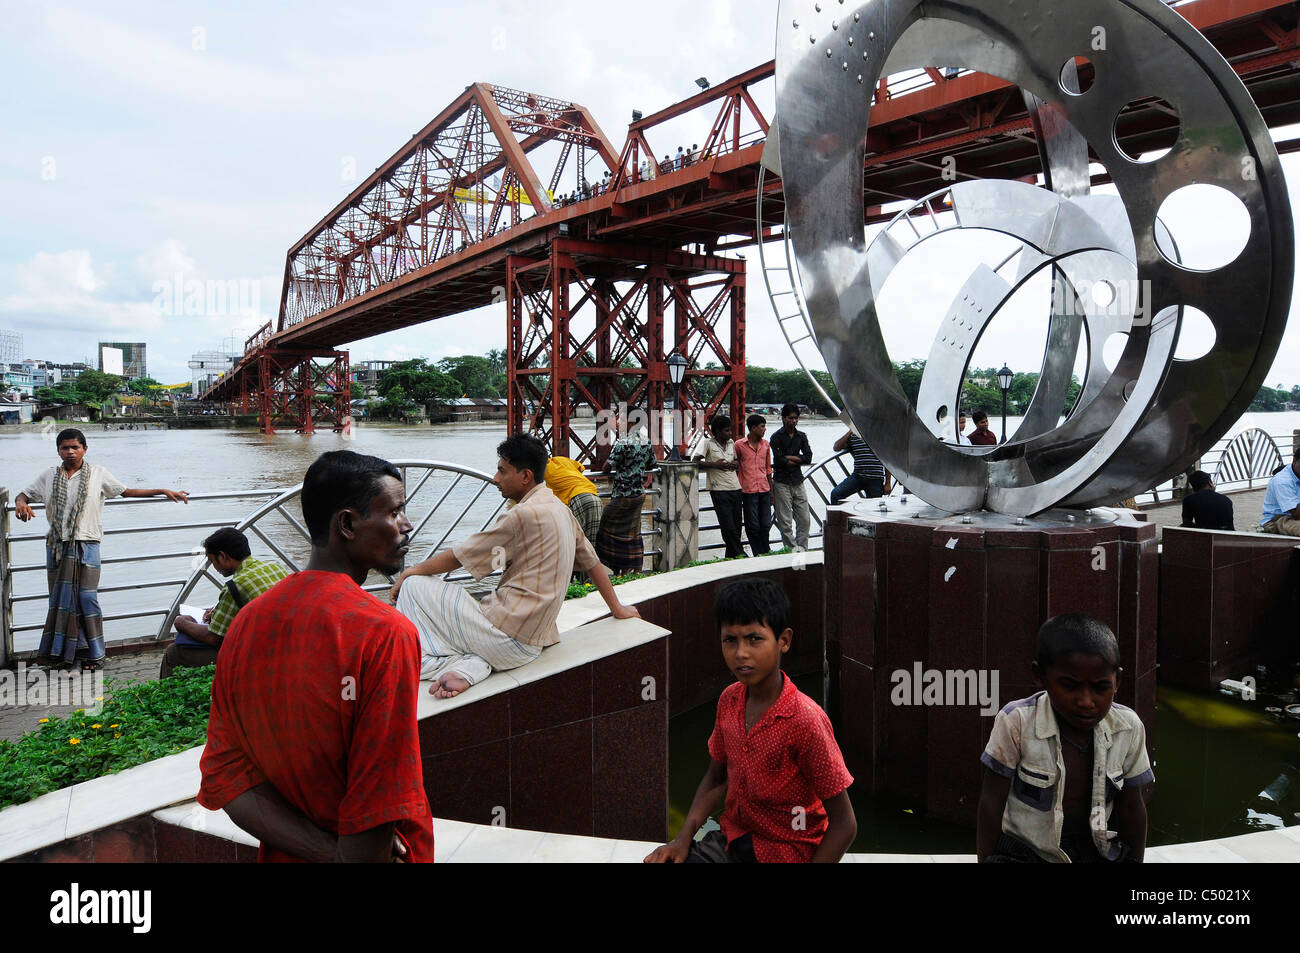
x=74, y=625
x=587, y=510
x=455, y=635
x=618, y=544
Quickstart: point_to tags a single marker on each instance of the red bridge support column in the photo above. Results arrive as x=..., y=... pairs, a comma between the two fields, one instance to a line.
x=586, y=331
x=300, y=389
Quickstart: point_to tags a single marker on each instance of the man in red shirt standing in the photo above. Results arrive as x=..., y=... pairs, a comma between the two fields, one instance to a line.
x=981, y=436
x=312, y=739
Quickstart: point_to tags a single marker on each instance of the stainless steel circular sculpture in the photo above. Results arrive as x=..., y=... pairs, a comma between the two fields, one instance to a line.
x=1152, y=415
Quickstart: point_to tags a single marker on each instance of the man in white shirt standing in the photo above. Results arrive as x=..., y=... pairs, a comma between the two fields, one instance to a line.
x=961, y=430
x=74, y=495
x=719, y=464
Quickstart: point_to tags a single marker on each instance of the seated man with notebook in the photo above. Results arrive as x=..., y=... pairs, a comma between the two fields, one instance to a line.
x=197, y=643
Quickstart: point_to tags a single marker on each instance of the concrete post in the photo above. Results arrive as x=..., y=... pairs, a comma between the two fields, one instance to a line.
x=679, y=519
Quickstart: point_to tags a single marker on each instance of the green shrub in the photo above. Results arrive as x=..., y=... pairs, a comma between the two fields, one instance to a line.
x=138, y=723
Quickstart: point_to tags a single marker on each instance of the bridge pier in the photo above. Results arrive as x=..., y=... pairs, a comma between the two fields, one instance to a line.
x=588, y=328
x=294, y=390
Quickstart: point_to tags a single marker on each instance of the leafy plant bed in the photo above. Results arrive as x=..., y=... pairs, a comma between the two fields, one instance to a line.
x=138, y=723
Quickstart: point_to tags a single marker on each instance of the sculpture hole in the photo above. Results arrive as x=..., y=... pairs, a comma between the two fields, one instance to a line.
x=1077, y=75
x=1146, y=129
x=1189, y=243
x=942, y=415
x=1113, y=350
x=1103, y=294
x=1196, y=335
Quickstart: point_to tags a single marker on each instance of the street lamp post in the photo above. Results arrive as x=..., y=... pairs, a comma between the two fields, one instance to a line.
x=676, y=372
x=1004, y=381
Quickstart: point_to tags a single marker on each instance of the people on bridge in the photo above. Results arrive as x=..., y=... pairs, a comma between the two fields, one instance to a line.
x=754, y=460
x=571, y=487
x=1203, y=508
x=790, y=454
x=197, y=643
x=1282, y=501
x=618, y=542
x=772, y=752
x=313, y=745
x=868, y=474
x=74, y=493
x=720, y=467
x=535, y=545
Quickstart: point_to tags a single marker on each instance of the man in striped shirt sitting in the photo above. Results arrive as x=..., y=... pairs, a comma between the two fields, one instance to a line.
x=535, y=546
x=868, y=472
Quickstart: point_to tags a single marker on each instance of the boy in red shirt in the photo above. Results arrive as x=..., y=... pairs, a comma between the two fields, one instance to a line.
x=773, y=752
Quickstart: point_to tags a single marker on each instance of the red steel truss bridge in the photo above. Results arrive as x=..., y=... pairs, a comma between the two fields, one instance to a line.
x=609, y=259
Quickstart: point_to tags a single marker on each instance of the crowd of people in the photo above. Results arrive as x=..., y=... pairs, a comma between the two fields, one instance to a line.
x=313, y=745
x=647, y=170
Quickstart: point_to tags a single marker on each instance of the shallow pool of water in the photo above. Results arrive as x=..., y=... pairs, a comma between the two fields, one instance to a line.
x=1223, y=767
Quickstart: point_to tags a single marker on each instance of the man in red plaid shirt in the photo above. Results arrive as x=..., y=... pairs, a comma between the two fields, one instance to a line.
x=312, y=740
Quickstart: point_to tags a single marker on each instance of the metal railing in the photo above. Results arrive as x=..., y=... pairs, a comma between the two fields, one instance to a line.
x=445, y=501
x=1241, y=462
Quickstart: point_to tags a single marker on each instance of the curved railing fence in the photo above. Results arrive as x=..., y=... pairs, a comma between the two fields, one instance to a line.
x=152, y=566
x=1251, y=457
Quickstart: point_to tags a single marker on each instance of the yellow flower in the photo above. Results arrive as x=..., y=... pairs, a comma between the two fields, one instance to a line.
x=115, y=726
x=117, y=734
x=99, y=698
x=97, y=725
x=80, y=710
x=44, y=721
x=74, y=741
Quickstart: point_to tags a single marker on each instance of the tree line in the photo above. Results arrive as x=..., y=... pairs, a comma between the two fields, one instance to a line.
x=93, y=388
x=414, y=383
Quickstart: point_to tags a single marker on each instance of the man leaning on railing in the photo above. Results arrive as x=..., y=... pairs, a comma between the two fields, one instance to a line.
x=74, y=495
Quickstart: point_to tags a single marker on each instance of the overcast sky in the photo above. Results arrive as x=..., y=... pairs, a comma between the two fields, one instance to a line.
x=150, y=142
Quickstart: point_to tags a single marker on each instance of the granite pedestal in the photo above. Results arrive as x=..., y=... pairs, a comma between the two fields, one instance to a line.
x=913, y=590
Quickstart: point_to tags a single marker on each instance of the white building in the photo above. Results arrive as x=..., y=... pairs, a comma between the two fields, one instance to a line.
x=206, y=367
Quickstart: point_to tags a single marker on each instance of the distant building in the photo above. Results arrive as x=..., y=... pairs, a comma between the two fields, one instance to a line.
x=133, y=359
x=470, y=408
x=11, y=347
x=17, y=380
x=43, y=373
x=16, y=412
x=366, y=375
x=206, y=367
x=67, y=372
